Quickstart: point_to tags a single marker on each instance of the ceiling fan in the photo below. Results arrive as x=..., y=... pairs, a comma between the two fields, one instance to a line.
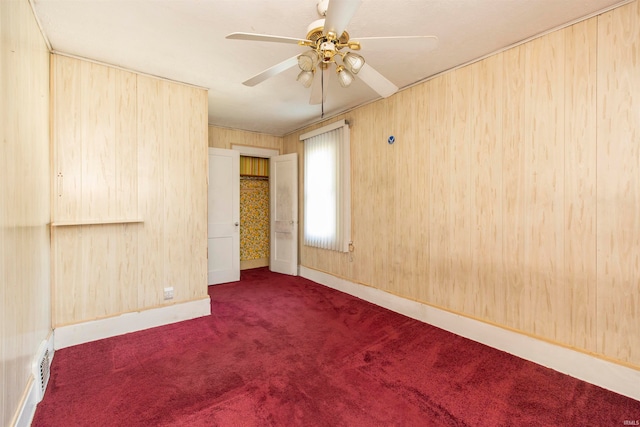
x=330, y=47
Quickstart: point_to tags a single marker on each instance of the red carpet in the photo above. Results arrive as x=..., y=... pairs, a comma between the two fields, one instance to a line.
x=284, y=351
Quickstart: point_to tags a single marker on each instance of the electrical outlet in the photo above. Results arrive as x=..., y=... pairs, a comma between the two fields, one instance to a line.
x=168, y=293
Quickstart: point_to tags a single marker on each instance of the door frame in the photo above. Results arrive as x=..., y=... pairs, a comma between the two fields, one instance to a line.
x=263, y=153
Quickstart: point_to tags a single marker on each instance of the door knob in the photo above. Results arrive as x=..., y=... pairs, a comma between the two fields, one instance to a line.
x=236, y=224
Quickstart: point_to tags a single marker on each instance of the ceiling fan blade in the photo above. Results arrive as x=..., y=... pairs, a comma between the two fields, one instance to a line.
x=265, y=38
x=376, y=81
x=320, y=87
x=270, y=72
x=339, y=13
x=416, y=43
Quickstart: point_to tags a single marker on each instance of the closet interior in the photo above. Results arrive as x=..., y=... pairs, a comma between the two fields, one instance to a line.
x=254, y=212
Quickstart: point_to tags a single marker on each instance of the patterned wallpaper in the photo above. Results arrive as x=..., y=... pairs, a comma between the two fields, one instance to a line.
x=254, y=218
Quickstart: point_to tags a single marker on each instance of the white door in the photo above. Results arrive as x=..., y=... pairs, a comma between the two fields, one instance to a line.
x=283, y=183
x=224, y=216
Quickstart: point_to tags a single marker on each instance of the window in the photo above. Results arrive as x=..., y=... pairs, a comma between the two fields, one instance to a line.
x=327, y=187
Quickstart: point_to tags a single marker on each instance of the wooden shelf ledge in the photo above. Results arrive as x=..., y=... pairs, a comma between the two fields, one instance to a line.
x=96, y=222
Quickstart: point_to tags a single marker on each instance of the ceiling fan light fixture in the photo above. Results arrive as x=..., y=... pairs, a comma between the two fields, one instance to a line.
x=344, y=76
x=307, y=61
x=353, y=62
x=306, y=78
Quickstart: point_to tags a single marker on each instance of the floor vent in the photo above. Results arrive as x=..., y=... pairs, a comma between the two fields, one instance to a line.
x=41, y=368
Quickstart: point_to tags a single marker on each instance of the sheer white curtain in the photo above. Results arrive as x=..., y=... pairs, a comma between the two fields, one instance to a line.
x=327, y=189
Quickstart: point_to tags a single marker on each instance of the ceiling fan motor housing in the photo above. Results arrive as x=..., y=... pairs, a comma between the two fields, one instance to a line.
x=315, y=32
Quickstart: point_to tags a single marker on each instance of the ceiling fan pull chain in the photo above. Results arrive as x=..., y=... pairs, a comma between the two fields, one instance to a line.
x=322, y=91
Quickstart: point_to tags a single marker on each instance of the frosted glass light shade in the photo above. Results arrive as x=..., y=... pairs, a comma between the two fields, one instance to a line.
x=305, y=77
x=308, y=60
x=353, y=62
x=344, y=76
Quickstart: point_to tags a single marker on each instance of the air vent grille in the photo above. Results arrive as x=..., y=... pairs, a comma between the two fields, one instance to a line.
x=44, y=365
x=41, y=368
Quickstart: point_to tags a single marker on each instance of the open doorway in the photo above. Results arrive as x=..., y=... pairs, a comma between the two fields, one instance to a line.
x=254, y=212
x=254, y=206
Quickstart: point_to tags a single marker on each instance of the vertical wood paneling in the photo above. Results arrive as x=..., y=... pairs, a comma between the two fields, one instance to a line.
x=421, y=287
x=175, y=169
x=98, y=123
x=486, y=198
x=410, y=241
x=6, y=385
x=618, y=171
x=66, y=263
x=103, y=132
x=25, y=200
x=224, y=138
x=97, y=264
x=402, y=210
x=144, y=145
x=151, y=152
x=126, y=147
x=544, y=156
x=388, y=198
x=361, y=189
x=460, y=291
x=126, y=266
x=580, y=184
x=513, y=187
x=125, y=190
x=372, y=253
x=522, y=206
x=439, y=189
x=95, y=168
x=198, y=172
x=67, y=164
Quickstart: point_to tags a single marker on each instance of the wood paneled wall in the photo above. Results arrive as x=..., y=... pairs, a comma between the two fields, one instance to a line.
x=618, y=184
x=130, y=191
x=25, y=296
x=95, y=149
x=512, y=192
x=225, y=138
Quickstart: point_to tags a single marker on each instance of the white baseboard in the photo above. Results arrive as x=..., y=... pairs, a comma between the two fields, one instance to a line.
x=27, y=409
x=605, y=374
x=67, y=336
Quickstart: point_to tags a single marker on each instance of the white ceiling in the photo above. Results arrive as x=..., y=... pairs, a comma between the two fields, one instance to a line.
x=184, y=40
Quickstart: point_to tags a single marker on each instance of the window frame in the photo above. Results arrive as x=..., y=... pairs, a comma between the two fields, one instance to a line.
x=342, y=234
